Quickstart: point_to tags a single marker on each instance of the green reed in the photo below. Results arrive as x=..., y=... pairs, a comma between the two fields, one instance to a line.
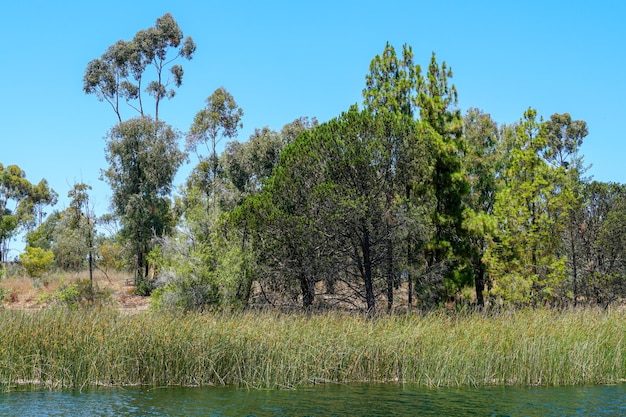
x=58, y=348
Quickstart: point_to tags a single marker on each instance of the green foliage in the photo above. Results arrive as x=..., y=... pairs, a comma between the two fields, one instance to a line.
x=36, y=261
x=525, y=259
x=143, y=158
x=79, y=294
x=598, y=244
x=69, y=244
x=120, y=73
x=187, y=279
x=319, y=216
x=392, y=84
x=111, y=256
x=396, y=85
x=483, y=164
x=221, y=118
x=21, y=204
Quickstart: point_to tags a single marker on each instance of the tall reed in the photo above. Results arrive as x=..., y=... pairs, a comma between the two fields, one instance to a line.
x=77, y=349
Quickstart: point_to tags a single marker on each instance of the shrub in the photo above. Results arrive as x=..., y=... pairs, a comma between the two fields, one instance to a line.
x=36, y=261
x=79, y=293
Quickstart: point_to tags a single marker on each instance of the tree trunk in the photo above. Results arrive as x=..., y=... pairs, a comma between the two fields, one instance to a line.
x=390, y=275
x=574, y=259
x=139, y=268
x=479, y=282
x=308, y=292
x=367, y=271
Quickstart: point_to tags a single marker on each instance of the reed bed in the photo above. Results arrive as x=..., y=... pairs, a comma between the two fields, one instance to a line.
x=57, y=348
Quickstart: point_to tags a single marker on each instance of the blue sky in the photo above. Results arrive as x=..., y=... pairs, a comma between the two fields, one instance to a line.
x=285, y=59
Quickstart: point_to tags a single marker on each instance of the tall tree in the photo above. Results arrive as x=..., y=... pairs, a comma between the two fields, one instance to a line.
x=600, y=241
x=396, y=85
x=526, y=257
x=326, y=199
x=564, y=137
x=437, y=100
x=143, y=158
x=393, y=82
x=483, y=165
x=41, y=195
x=142, y=152
x=119, y=73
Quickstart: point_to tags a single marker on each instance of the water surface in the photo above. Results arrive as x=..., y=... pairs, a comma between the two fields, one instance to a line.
x=322, y=400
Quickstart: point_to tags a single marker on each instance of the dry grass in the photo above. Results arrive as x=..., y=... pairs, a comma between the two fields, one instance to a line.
x=22, y=292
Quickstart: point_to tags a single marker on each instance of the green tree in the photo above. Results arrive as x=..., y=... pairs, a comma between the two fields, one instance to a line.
x=526, y=258
x=41, y=195
x=291, y=130
x=483, y=165
x=320, y=214
x=20, y=204
x=221, y=118
x=564, y=138
x=447, y=251
x=143, y=158
x=396, y=85
x=393, y=83
x=119, y=73
x=68, y=242
x=291, y=253
x=142, y=152
x=43, y=236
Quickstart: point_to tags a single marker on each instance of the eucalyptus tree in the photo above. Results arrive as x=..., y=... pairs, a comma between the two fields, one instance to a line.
x=14, y=189
x=142, y=152
x=291, y=130
x=40, y=196
x=119, y=73
x=82, y=214
x=219, y=119
x=21, y=204
x=143, y=157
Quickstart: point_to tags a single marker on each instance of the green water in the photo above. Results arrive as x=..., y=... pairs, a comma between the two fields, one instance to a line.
x=322, y=400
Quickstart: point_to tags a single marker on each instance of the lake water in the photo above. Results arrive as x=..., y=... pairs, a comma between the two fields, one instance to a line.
x=322, y=400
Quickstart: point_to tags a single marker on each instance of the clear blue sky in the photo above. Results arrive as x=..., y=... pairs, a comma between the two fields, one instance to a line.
x=286, y=59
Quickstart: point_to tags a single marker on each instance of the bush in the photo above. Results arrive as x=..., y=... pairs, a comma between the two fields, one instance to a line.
x=36, y=261
x=79, y=293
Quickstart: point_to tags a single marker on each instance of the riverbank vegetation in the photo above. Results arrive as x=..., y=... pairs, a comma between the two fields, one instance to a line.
x=401, y=198
x=57, y=348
